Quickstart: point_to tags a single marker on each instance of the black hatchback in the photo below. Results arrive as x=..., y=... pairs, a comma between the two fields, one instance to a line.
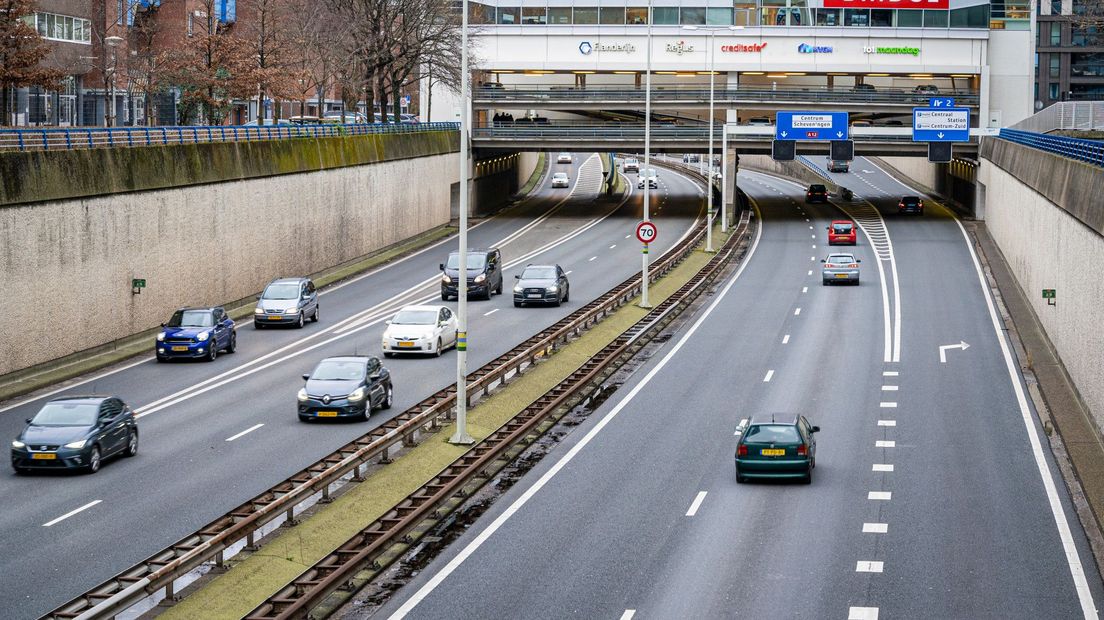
x=76, y=432
x=343, y=388
x=816, y=193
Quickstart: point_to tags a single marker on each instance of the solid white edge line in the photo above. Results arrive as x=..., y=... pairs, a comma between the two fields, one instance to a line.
x=71, y=513
x=696, y=503
x=1073, y=558
x=245, y=432
x=484, y=535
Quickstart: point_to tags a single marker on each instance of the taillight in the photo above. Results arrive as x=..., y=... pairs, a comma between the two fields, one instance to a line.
x=830, y=266
x=900, y=205
x=921, y=204
x=801, y=450
x=741, y=450
x=853, y=266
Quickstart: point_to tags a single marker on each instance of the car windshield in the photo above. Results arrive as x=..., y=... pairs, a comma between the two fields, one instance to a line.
x=415, y=317
x=191, y=318
x=841, y=229
x=67, y=414
x=475, y=261
x=281, y=290
x=333, y=370
x=560, y=175
x=772, y=433
x=841, y=258
x=539, y=273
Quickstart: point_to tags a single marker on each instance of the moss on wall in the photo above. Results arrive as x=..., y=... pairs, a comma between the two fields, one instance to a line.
x=38, y=176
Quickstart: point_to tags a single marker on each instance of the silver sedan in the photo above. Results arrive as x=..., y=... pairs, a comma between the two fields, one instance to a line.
x=840, y=268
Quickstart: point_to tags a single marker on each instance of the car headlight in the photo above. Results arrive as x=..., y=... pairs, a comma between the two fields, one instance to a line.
x=203, y=336
x=76, y=445
x=480, y=278
x=258, y=311
x=18, y=444
x=358, y=394
x=302, y=395
x=518, y=289
x=446, y=279
x=291, y=311
x=552, y=289
x=160, y=336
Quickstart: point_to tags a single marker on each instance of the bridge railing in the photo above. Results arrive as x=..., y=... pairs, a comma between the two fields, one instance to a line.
x=62, y=138
x=1088, y=151
x=811, y=94
x=1066, y=115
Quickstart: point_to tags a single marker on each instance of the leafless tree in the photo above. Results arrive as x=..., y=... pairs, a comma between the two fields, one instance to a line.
x=21, y=53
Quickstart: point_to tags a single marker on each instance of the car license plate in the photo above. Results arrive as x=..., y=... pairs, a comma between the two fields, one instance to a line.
x=273, y=317
x=326, y=414
x=180, y=348
x=403, y=344
x=534, y=295
x=773, y=452
x=841, y=275
x=44, y=457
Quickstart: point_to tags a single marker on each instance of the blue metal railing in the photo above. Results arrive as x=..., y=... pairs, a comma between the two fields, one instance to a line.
x=1088, y=151
x=67, y=138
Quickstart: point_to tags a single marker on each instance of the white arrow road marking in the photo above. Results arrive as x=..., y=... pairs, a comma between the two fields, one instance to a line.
x=943, y=350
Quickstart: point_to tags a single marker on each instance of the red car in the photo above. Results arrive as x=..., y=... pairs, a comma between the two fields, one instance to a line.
x=842, y=232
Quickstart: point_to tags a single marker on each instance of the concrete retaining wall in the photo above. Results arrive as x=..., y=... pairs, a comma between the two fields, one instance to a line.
x=1048, y=247
x=918, y=169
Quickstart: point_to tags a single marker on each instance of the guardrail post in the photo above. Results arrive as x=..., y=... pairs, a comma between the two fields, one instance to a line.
x=170, y=591
x=45, y=141
x=385, y=456
x=148, y=141
x=220, y=559
x=326, y=499
x=68, y=140
x=110, y=137
x=130, y=137
x=358, y=473
x=291, y=520
x=250, y=541
x=410, y=439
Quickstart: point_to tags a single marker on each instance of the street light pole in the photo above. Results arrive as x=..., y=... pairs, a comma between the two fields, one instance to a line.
x=462, y=437
x=647, y=158
x=709, y=164
x=112, y=42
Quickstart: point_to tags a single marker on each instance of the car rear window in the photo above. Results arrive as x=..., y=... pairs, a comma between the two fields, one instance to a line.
x=910, y=200
x=772, y=433
x=816, y=188
x=841, y=229
x=841, y=258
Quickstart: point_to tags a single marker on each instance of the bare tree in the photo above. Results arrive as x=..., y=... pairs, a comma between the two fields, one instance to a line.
x=1088, y=13
x=274, y=34
x=211, y=67
x=148, y=64
x=21, y=53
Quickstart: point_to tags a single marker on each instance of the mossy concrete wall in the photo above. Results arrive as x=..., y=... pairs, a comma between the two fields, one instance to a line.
x=204, y=224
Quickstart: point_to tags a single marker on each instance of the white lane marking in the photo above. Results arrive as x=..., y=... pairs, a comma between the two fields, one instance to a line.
x=887, y=422
x=883, y=467
x=483, y=536
x=867, y=566
x=613, y=246
x=887, y=405
x=591, y=258
x=880, y=495
x=804, y=289
x=814, y=246
x=797, y=311
x=807, y=219
x=491, y=312
x=813, y=236
x=766, y=379
x=627, y=236
x=785, y=339
x=890, y=373
x=875, y=528
x=1073, y=558
x=246, y=431
x=810, y=272
x=71, y=513
x=629, y=613
x=812, y=258
x=883, y=443
x=696, y=504
x=810, y=228
x=862, y=613
x=889, y=388
x=567, y=273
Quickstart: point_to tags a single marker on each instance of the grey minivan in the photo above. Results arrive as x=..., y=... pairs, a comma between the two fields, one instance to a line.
x=484, y=270
x=287, y=301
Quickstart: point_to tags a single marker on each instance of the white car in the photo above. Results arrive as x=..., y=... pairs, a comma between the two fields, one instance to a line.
x=563, y=158
x=560, y=179
x=650, y=176
x=428, y=330
x=630, y=165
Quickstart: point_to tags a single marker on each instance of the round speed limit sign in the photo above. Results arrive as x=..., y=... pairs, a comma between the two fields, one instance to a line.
x=646, y=232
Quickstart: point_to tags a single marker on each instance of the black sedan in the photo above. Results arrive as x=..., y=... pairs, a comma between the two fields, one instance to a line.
x=542, y=284
x=345, y=388
x=76, y=432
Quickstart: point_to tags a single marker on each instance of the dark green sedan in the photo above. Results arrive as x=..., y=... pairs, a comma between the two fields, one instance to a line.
x=776, y=446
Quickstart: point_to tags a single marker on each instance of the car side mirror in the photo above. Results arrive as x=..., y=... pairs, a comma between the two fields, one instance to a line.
x=858, y=260
x=827, y=228
x=823, y=260
x=162, y=325
x=517, y=276
x=28, y=420
x=442, y=266
x=387, y=322
x=816, y=429
x=305, y=377
x=491, y=267
x=374, y=377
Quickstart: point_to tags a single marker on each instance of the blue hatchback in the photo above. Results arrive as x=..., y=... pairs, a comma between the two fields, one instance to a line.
x=196, y=333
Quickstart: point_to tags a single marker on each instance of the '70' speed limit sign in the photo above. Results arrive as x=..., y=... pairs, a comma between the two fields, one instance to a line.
x=646, y=232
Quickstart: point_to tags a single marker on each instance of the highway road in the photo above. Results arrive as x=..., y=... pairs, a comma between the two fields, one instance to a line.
x=214, y=435
x=932, y=497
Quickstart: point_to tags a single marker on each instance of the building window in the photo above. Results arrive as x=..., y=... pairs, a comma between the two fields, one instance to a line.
x=611, y=15
x=829, y=17
x=935, y=19
x=745, y=13
x=1084, y=65
x=719, y=17
x=910, y=19
x=1055, y=7
x=970, y=17
x=586, y=15
x=1085, y=36
x=61, y=27
x=534, y=15
x=882, y=17
x=1053, y=92
x=636, y=15
x=509, y=15
x=559, y=15
x=856, y=17
x=481, y=14
x=1056, y=65
x=694, y=16
x=666, y=15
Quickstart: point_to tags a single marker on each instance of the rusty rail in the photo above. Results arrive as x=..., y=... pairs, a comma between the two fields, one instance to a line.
x=161, y=570
x=405, y=523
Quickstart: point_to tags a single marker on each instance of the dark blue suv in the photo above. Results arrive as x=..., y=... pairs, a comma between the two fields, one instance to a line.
x=196, y=333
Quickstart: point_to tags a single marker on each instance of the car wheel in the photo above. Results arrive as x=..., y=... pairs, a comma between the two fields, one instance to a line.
x=132, y=444
x=19, y=471
x=233, y=345
x=438, y=351
x=212, y=352
x=558, y=301
x=517, y=304
x=567, y=294
x=808, y=479
x=299, y=325
x=314, y=317
x=388, y=354
x=93, y=460
x=388, y=398
x=257, y=324
x=824, y=282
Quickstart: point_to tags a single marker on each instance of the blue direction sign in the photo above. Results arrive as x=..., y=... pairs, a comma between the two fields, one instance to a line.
x=941, y=124
x=811, y=126
x=941, y=102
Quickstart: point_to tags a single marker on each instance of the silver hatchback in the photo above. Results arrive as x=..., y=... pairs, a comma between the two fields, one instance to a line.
x=840, y=268
x=287, y=301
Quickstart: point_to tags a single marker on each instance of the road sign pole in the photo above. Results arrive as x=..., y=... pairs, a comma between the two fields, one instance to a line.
x=709, y=164
x=647, y=158
x=462, y=437
x=724, y=175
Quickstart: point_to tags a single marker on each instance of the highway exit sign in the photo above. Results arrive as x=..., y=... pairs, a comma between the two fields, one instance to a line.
x=940, y=124
x=811, y=126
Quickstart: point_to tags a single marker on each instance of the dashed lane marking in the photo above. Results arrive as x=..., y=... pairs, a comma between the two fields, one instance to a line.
x=491, y=312
x=880, y=495
x=71, y=513
x=591, y=258
x=797, y=311
x=868, y=566
x=245, y=432
x=887, y=422
x=890, y=373
x=629, y=613
x=886, y=467
x=887, y=405
x=767, y=378
x=804, y=289
x=875, y=528
x=862, y=613
x=696, y=504
x=885, y=443
x=786, y=339
x=889, y=388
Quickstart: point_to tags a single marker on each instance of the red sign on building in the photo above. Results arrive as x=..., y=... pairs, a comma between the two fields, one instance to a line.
x=887, y=4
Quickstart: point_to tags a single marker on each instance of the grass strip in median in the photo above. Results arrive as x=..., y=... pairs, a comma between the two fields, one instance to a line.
x=293, y=549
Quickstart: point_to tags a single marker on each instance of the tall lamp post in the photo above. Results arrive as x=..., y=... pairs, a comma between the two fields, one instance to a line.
x=647, y=159
x=712, y=102
x=112, y=42
x=461, y=436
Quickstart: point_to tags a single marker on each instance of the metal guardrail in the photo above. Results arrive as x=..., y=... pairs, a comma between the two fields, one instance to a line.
x=1088, y=151
x=787, y=94
x=161, y=570
x=67, y=138
x=1068, y=115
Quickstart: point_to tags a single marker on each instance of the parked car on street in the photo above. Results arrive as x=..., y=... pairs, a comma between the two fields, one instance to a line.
x=75, y=432
x=348, y=387
x=196, y=333
x=286, y=301
x=542, y=284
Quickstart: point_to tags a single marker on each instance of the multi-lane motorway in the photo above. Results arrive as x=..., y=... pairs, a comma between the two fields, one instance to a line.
x=935, y=495
x=214, y=435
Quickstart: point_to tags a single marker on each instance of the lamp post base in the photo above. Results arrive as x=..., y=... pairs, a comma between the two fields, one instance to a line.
x=461, y=439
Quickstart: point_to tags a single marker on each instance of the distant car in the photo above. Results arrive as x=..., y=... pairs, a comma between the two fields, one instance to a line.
x=266, y=122
x=759, y=120
x=408, y=119
x=492, y=85
x=563, y=158
x=838, y=165
x=350, y=118
x=420, y=329
x=842, y=232
x=776, y=446
x=862, y=123
x=630, y=165
x=196, y=333
x=840, y=268
x=484, y=271
x=652, y=178
x=816, y=193
x=560, y=179
x=923, y=92
x=76, y=432
x=895, y=123
x=286, y=301
x=863, y=88
x=543, y=284
x=309, y=120
x=910, y=204
x=692, y=158
x=344, y=388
